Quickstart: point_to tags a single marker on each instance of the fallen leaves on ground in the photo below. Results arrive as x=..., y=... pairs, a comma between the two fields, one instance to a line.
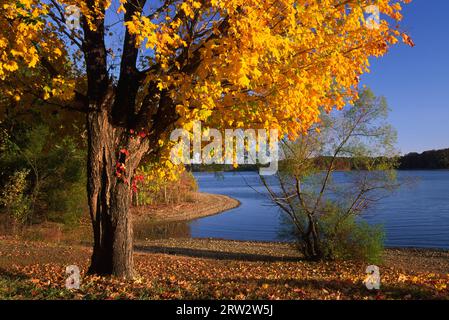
x=41, y=275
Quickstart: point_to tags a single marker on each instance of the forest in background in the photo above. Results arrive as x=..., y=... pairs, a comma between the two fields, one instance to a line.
x=432, y=159
x=427, y=160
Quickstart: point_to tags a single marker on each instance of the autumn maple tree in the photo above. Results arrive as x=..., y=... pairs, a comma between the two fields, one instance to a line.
x=139, y=69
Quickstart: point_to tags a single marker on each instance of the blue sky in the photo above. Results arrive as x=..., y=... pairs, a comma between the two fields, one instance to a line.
x=415, y=81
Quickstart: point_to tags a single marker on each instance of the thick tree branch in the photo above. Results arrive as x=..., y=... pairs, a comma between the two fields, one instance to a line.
x=95, y=56
x=128, y=84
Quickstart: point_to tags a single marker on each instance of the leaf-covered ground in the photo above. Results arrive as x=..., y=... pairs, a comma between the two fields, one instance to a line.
x=204, y=269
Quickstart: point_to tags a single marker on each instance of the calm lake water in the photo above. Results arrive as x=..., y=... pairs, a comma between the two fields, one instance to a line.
x=416, y=215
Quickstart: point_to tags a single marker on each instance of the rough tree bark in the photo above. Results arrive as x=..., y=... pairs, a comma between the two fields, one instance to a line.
x=110, y=196
x=110, y=112
x=113, y=109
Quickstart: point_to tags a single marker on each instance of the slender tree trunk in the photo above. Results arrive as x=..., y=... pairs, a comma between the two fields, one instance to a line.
x=110, y=195
x=312, y=247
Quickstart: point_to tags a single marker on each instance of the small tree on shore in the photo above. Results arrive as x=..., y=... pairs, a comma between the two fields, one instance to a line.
x=322, y=207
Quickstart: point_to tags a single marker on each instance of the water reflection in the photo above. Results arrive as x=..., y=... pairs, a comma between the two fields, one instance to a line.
x=150, y=230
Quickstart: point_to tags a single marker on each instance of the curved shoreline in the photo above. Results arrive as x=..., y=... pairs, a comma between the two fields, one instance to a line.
x=203, y=205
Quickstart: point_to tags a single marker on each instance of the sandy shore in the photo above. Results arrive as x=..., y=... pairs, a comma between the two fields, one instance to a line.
x=418, y=260
x=408, y=260
x=202, y=205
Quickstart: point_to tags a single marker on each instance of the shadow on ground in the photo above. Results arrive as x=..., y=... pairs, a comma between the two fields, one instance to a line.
x=219, y=255
x=5, y=274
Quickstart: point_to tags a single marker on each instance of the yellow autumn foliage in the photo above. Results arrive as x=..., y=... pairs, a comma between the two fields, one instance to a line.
x=255, y=63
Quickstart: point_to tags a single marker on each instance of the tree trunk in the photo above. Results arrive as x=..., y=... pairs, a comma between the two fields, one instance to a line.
x=109, y=194
x=312, y=247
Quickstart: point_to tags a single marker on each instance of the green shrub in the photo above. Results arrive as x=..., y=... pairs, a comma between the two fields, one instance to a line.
x=348, y=238
x=14, y=198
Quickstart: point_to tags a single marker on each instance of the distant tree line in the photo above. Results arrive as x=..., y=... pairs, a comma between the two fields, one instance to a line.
x=433, y=159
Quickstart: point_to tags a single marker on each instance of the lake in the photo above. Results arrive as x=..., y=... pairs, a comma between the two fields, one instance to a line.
x=416, y=215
